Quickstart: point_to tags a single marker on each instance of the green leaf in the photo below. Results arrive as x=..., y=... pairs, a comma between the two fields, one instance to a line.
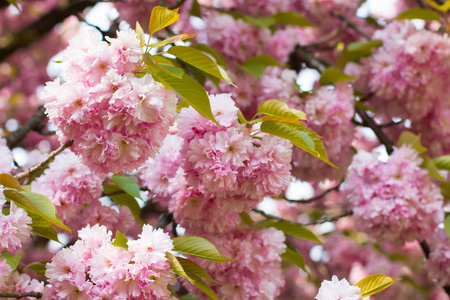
x=172, y=291
x=293, y=229
x=177, y=72
x=374, y=284
x=294, y=257
x=39, y=267
x=419, y=13
x=162, y=17
x=191, y=267
x=37, y=204
x=216, y=55
x=123, y=199
x=173, y=39
x=246, y=218
x=263, y=22
x=128, y=185
x=13, y=261
x=180, y=266
x=10, y=182
x=355, y=51
x=154, y=66
x=257, y=64
x=177, y=268
x=199, y=60
x=409, y=138
x=198, y=282
x=444, y=7
x=294, y=133
x=447, y=225
x=140, y=34
x=199, y=247
x=195, y=10
x=192, y=92
x=279, y=108
x=442, y=162
x=431, y=167
x=241, y=117
x=190, y=297
x=42, y=227
x=13, y=2
x=332, y=75
x=120, y=240
x=292, y=18
x=445, y=189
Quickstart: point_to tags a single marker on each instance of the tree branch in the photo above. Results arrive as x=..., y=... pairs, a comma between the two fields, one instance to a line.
x=315, y=222
x=21, y=295
x=301, y=55
x=44, y=25
x=353, y=26
x=33, y=123
x=310, y=200
x=369, y=122
x=38, y=167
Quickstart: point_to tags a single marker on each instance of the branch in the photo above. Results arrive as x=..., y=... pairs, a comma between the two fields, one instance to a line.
x=367, y=121
x=315, y=222
x=352, y=26
x=33, y=123
x=301, y=55
x=44, y=25
x=310, y=200
x=43, y=164
x=21, y=295
x=165, y=220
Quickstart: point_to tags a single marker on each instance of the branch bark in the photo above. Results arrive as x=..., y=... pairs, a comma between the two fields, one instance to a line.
x=33, y=123
x=21, y=295
x=42, y=26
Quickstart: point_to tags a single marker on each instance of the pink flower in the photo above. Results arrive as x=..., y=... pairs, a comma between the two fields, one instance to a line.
x=116, y=119
x=14, y=228
x=255, y=274
x=396, y=201
x=339, y=290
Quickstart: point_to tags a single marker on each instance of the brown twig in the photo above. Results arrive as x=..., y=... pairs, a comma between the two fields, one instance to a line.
x=21, y=295
x=165, y=220
x=300, y=55
x=44, y=25
x=369, y=122
x=36, y=168
x=352, y=26
x=315, y=222
x=310, y=200
x=33, y=123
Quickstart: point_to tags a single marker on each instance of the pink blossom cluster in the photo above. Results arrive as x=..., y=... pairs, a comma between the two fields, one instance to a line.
x=408, y=73
x=5, y=270
x=93, y=268
x=325, y=15
x=274, y=83
x=339, y=290
x=255, y=274
x=396, y=201
x=162, y=174
x=20, y=283
x=75, y=190
x=256, y=8
x=14, y=227
x=228, y=168
x=329, y=112
x=439, y=258
x=116, y=119
x=235, y=39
